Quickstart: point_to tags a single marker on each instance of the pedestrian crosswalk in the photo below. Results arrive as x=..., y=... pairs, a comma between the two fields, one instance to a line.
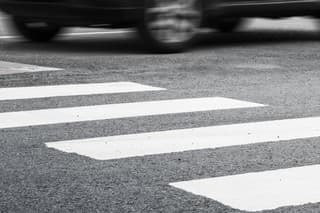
x=125, y=146
x=271, y=189
x=113, y=111
x=73, y=90
x=16, y=68
x=261, y=190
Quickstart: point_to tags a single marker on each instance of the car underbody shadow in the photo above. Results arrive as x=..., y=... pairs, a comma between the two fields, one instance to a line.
x=253, y=38
x=123, y=43
x=130, y=43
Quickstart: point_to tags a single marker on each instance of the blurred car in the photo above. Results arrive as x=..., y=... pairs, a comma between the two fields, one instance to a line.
x=167, y=25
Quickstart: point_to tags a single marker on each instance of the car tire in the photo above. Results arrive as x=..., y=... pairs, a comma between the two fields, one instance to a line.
x=170, y=26
x=36, y=31
x=228, y=25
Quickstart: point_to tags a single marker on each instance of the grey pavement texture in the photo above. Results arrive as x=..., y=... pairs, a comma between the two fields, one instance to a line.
x=279, y=68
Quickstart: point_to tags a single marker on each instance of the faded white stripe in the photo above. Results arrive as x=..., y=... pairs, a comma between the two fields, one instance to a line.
x=125, y=146
x=14, y=68
x=72, y=90
x=262, y=190
x=113, y=111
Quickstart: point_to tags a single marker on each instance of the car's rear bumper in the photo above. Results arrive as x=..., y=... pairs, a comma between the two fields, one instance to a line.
x=69, y=13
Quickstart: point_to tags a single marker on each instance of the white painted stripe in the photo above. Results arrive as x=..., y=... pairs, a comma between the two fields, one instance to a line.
x=72, y=90
x=113, y=111
x=281, y=25
x=97, y=33
x=258, y=66
x=10, y=37
x=77, y=34
x=14, y=68
x=125, y=146
x=262, y=190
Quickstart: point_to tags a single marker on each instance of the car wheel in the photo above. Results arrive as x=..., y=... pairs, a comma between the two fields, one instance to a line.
x=37, y=31
x=228, y=25
x=171, y=25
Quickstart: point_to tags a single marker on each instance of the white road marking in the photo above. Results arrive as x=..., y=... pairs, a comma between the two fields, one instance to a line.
x=14, y=68
x=72, y=90
x=76, y=34
x=258, y=66
x=9, y=37
x=134, y=145
x=261, y=190
x=98, y=33
x=281, y=25
x=113, y=111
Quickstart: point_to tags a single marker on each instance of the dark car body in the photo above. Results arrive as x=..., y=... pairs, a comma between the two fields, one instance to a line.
x=77, y=12
x=130, y=13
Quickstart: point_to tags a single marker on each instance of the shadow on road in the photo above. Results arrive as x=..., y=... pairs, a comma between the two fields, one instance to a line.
x=130, y=43
x=114, y=43
x=258, y=37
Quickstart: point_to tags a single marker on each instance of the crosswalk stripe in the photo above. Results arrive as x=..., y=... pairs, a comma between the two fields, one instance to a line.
x=261, y=190
x=72, y=90
x=125, y=146
x=114, y=111
x=14, y=68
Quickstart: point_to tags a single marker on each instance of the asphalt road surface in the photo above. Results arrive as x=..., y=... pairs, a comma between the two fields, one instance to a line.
x=94, y=123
